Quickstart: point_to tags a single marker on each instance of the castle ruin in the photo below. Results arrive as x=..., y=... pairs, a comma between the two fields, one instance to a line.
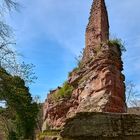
x=91, y=104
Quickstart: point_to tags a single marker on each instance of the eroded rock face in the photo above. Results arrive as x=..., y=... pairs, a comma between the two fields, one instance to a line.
x=98, y=87
x=102, y=84
x=97, y=82
x=97, y=30
x=55, y=113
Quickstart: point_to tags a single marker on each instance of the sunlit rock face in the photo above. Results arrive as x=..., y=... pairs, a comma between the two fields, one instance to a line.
x=101, y=87
x=98, y=82
x=97, y=30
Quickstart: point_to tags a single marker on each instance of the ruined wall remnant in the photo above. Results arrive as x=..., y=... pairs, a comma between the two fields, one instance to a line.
x=97, y=83
x=98, y=126
x=102, y=126
x=91, y=104
x=97, y=30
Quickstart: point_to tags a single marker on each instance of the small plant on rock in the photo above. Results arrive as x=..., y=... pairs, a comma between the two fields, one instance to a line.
x=64, y=92
x=117, y=42
x=79, y=63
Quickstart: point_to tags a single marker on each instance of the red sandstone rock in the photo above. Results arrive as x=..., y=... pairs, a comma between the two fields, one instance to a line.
x=99, y=87
x=97, y=30
x=98, y=83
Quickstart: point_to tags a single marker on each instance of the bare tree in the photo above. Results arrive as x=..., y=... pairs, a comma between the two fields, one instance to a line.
x=9, y=61
x=9, y=4
x=9, y=58
x=5, y=30
x=132, y=95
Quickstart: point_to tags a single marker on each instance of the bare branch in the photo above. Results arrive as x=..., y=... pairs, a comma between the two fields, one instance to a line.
x=11, y=4
x=132, y=95
x=5, y=31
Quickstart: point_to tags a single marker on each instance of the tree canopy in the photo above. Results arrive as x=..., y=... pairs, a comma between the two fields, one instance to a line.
x=20, y=109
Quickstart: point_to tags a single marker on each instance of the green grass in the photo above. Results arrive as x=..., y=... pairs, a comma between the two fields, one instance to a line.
x=48, y=133
x=64, y=92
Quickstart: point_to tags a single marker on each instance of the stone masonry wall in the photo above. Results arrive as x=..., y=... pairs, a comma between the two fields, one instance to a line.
x=97, y=30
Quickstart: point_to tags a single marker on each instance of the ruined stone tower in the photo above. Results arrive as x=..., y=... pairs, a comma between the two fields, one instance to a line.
x=97, y=84
x=97, y=30
x=91, y=104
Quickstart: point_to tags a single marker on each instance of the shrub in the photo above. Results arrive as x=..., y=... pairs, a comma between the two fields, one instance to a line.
x=50, y=133
x=20, y=112
x=118, y=43
x=64, y=92
x=79, y=62
x=74, y=70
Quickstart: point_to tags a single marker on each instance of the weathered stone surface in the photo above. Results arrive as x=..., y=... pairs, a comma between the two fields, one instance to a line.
x=50, y=138
x=102, y=84
x=97, y=30
x=86, y=126
x=98, y=88
x=55, y=113
x=134, y=110
x=101, y=138
x=99, y=126
x=98, y=81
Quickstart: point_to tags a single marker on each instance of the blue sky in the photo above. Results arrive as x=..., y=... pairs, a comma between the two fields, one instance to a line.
x=51, y=33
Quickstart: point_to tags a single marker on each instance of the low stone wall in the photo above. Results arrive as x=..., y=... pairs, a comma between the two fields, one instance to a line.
x=107, y=138
x=102, y=126
x=98, y=126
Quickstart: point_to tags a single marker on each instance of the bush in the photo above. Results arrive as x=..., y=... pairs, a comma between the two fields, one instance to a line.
x=74, y=70
x=64, y=92
x=118, y=43
x=20, y=112
x=50, y=133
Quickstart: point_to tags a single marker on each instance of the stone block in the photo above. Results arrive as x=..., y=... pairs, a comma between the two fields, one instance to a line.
x=102, y=126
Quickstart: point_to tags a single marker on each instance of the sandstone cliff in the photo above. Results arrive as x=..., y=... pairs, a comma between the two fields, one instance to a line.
x=97, y=84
